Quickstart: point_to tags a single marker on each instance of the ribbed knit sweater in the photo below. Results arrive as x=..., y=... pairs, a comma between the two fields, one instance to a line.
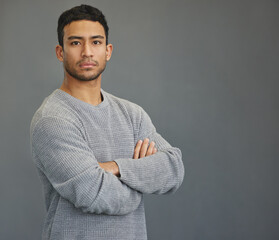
x=69, y=137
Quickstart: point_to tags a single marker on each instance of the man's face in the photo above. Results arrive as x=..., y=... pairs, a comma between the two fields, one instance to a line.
x=85, y=52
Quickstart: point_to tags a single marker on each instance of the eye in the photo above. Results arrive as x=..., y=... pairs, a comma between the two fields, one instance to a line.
x=96, y=42
x=75, y=43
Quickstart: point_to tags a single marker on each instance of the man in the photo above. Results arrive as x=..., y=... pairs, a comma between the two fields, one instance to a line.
x=96, y=154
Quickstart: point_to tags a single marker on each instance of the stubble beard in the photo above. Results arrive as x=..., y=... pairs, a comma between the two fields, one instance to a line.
x=81, y=77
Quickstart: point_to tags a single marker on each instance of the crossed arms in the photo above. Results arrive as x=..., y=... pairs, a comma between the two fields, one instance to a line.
x=142, y=149
x=64, y=157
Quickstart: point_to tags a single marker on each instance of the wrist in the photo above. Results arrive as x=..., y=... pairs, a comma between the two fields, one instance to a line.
x=116, y=169
x=111, y=167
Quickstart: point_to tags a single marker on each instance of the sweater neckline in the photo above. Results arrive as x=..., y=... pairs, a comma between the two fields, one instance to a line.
x=79, y=102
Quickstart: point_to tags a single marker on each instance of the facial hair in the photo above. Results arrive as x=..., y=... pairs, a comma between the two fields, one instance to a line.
x=81, y=77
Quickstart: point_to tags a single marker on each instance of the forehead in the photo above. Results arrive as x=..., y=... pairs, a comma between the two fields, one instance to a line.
x=84, y=28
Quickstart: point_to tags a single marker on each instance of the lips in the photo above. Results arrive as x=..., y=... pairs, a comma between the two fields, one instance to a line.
x=87, y=64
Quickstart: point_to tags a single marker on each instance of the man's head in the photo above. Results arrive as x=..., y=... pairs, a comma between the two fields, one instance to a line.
x=82, y=12
x=83, y=44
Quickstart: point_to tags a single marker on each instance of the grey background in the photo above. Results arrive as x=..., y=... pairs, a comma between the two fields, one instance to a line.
x=207, y=74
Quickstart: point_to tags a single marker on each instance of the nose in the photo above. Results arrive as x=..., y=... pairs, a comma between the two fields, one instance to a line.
x=87, y=50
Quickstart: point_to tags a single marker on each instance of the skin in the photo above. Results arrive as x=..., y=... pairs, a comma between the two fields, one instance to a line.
x=84, y=56
x=142, y=149
x=84, y=42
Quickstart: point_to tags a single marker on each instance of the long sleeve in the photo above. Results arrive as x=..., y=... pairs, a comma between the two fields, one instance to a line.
x=69, y=164
x=159, y=173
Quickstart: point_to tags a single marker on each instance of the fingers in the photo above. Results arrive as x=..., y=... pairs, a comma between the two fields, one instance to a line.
x=154, y=150
x=143, y=149
x=150, y=149
x=137, y=149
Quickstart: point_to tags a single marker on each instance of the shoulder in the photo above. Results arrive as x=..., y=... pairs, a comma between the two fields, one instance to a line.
x=136, y=114
x=52, y=109
x=131, y=107
x=126, y=107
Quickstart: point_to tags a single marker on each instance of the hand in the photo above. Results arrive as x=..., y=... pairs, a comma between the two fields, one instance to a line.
x=111, y=167
x=143, y=150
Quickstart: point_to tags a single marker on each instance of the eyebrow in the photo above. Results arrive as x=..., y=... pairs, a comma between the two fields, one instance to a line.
x=79, y=37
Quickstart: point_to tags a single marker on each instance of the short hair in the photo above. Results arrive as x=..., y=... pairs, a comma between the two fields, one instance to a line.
x=82, y=12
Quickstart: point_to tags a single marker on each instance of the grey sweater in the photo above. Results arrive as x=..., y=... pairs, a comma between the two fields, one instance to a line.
x=69, y=137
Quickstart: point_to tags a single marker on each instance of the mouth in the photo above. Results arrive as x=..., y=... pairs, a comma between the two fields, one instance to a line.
x=87, y=64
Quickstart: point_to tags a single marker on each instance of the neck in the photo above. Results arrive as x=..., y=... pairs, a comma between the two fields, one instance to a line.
x=87, y=91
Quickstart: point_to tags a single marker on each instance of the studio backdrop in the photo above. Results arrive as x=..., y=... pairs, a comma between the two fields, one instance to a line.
x=207, y=74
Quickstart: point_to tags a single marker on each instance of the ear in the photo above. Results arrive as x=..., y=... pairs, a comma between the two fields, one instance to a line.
x=109, y=49
x=59, y=53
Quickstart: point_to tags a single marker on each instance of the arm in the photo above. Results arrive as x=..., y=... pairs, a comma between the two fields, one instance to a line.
x=69, y=164
x=159, y=173
x=142, y=149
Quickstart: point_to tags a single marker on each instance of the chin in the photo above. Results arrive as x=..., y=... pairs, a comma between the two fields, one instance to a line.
x=87, y=78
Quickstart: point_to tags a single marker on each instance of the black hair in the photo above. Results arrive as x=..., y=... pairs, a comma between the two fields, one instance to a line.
x=82, y=12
